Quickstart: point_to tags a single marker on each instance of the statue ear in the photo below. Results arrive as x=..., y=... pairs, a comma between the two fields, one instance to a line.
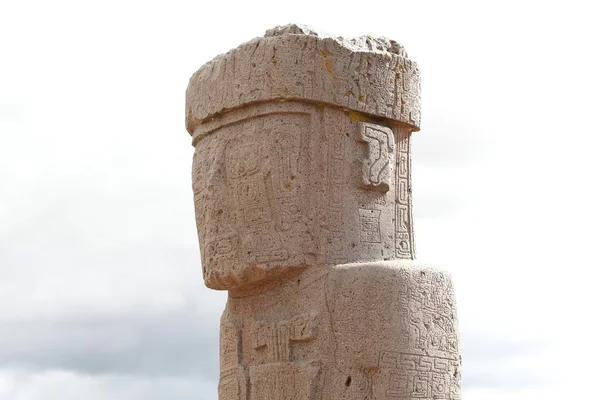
x=377, y=167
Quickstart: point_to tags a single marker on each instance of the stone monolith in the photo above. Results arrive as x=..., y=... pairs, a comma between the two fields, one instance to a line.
x=302, y=189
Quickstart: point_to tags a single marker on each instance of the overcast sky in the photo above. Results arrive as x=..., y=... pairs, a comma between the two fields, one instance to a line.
x=101, y=292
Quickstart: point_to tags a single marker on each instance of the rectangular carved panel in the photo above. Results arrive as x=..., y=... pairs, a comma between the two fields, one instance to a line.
x=413, y=377
x=284, y=381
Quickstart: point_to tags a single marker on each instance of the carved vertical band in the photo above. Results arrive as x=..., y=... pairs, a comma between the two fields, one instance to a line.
x=405, y=246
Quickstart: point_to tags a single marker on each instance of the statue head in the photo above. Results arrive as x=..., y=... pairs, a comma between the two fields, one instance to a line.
x=297, y=163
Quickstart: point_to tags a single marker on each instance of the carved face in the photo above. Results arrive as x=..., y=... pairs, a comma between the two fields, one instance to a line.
x=248, y=187
x=282, y=186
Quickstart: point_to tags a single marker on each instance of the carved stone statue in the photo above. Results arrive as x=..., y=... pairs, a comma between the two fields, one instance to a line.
x=302, y=190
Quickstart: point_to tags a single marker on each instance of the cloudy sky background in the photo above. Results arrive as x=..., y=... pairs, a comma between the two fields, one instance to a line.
x=100, y=284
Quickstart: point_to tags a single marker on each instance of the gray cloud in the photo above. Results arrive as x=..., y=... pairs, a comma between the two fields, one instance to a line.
x=174, y=344
x=61, y=385
x=87, y=332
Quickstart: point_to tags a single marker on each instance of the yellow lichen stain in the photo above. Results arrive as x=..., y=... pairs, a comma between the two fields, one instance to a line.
x=274, y=61
x=283, y=90
x=320, y=107
x=358, y=117
x=328, y=66
x=289, y=186
x=349, y=93
x=361, y=98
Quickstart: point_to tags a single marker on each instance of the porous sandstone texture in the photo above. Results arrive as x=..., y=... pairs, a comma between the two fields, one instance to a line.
x=302, y=191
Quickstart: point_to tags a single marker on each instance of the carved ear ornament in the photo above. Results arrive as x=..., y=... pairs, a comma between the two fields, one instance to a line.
x=377, y=166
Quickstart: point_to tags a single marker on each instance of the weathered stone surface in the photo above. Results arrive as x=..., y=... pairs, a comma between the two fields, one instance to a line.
x=380, y=330
x=373, y=76
x=280, y=186
x=302, y=191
